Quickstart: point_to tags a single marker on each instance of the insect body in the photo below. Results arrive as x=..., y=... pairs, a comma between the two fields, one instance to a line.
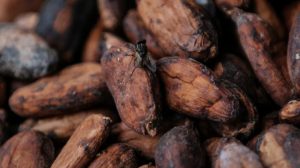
x=142, y=58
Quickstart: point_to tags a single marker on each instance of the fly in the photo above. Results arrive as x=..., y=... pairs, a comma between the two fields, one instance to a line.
x=142, y=58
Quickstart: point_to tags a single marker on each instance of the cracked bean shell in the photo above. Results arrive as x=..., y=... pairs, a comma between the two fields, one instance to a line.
x=194, y=37
x=135, y=89
x=192, y=89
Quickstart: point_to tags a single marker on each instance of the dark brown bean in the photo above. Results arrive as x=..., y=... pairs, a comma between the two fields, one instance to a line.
x=256, y=40
x=134, y=87
x=180, y=148
x=194, y=37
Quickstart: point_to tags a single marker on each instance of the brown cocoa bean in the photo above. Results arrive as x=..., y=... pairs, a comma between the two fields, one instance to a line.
x=180, y=148
x=277, y=146
x=134, y=87
x=192, y=89
x=229, y=153
x=290, y=113
x=84, y=143
x=194, y=37
x=264, y=9
x=60, y=128
x=27, y=149
x=256, y=40
x=74, y=88
x=116, y=156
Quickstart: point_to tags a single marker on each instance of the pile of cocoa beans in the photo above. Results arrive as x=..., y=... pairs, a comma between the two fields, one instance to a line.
x=149, y=83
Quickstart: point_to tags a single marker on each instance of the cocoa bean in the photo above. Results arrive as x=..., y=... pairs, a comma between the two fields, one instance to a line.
x=133, y=84
x=256, y=40
x=116, y=156
x=60, y=128
x=276, y=146
x=27, y=149
x=74, y=88
x=229, y=152
x=84, y=143
x=194, y=37
x=180, y=148
x=192, y=89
